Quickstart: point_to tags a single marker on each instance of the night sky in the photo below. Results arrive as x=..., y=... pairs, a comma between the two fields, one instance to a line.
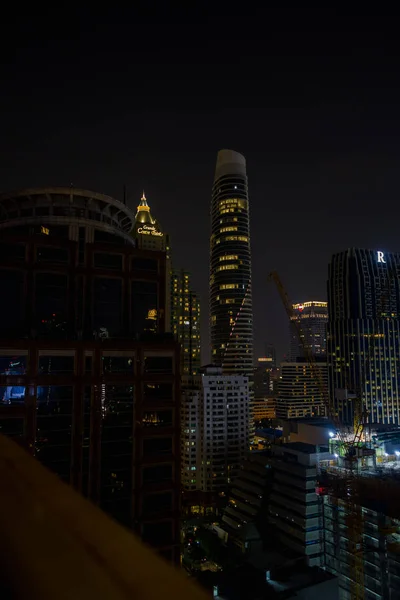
x=107, y=99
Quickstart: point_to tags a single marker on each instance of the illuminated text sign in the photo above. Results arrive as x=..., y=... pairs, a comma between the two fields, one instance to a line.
x=150, y=230
x=381, y=257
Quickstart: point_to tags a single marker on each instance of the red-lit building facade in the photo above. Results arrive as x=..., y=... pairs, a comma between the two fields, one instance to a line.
x=89, y=381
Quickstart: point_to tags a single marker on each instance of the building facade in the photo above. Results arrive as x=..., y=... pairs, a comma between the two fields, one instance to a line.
x=364, y=333
x=311, y=319
x=294, y=507
x=230, y=267
x=215, y=428
x=90, y=383
x=299, y=393
x=185, y=321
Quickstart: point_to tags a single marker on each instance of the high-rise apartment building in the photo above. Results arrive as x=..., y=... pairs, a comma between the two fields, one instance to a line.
x=89, y=382
x=364, y=333
x=299, y=393
x=215, y=429
x=230, y=267
x=311, y=318
x=185, y=321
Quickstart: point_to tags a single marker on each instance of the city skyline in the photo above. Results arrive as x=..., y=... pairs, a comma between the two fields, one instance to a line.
x=319, y=136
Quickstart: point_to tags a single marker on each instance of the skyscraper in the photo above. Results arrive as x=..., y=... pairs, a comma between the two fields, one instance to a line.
x=185, y=321
x=364, y=332
x=312, y=317
x=230, y=267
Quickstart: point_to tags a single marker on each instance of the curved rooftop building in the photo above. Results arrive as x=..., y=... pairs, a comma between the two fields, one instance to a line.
x=63, y=211
x=230, y=267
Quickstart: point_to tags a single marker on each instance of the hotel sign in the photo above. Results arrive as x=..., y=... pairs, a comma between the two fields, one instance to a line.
x=150, y=230
x=381, y=257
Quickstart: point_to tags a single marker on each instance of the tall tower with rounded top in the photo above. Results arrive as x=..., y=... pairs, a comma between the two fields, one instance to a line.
x=230, y=267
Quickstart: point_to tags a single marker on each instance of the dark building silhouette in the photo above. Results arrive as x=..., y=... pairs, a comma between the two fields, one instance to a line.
x=90, y=383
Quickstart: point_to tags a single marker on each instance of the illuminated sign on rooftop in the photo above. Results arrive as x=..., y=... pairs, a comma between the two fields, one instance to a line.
x=150, y=230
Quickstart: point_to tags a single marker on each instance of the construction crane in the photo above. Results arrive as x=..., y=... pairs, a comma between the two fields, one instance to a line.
x=353, y=514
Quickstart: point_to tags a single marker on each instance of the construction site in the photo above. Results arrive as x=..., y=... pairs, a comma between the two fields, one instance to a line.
x=358, y=488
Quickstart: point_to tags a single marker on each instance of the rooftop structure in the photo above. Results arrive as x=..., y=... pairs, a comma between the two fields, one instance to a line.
x=65, y=206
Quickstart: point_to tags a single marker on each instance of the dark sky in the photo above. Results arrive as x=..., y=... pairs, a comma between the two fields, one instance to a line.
x=106, y=99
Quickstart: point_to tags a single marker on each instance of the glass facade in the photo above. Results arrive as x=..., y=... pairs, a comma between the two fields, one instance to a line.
x=117, y=450
x=364, y=333
x=144, y=306
x=54, y=428
x=14, y=391
x=107, y=305
x=12, y=309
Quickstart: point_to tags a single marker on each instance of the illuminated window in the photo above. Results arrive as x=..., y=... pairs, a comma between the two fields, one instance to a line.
x=224, y=229
x=226, y=267
x=236, y=238
x=229, y=201
x=229, y=286
x=229, y=257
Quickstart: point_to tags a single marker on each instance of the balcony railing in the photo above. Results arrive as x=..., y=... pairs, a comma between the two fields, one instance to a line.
x=56, y=544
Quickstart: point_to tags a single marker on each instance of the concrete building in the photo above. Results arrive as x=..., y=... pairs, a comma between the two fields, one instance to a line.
x=312, y=318
x=191, y=423
x=299, y=392
x=245, y=517
x=89, y=382
x=294, y=508
x=230, y=267
x=185, y=321
x=311, y=430
x=264, y=409
x=215, y=426
x=364, y=333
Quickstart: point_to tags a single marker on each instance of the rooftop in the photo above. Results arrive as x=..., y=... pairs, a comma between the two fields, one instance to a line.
x=305, y=448
x=315, y=422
